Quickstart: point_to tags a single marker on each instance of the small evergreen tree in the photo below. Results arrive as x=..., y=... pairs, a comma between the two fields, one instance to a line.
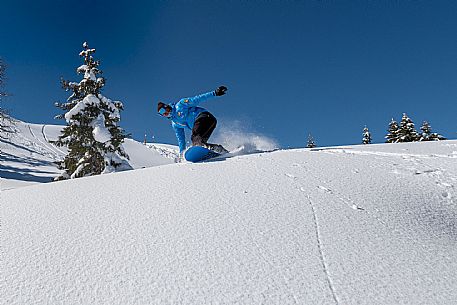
x=310, y=143
x=392, y=132
x=92, y=134
x=366, y=136
x=426, y=131
x=427, y=134
x=407, y=131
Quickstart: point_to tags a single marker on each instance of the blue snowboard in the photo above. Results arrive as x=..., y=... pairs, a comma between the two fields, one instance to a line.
x=199, y=154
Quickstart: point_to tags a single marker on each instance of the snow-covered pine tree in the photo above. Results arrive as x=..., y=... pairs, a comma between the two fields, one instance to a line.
x=366, y=136
x=310, y=143
x=426, y=131
x=392, y=132
x=6, y=122
x=407, y=131
x=92, y=134
x=427, y=134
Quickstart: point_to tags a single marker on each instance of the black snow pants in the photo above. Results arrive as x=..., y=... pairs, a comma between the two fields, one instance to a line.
x=204, y=126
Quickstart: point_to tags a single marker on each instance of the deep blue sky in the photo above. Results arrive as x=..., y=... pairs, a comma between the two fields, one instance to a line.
x=292, y=67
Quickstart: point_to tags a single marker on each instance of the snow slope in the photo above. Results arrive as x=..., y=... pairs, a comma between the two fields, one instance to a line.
x=369, y=224
x=27, y=156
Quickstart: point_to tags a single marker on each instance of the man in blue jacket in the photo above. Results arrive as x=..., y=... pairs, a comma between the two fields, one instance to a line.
x=187, y=114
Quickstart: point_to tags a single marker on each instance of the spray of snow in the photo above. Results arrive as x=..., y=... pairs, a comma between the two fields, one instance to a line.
x=235, y=135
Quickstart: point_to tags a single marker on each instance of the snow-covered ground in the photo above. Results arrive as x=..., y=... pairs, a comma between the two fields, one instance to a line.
x=28, y=157
x=373, y=224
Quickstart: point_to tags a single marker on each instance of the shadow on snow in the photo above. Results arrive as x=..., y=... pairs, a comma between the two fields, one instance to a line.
x=25, y=174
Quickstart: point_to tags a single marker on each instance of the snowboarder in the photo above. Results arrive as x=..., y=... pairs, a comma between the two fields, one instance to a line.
x=187, y=114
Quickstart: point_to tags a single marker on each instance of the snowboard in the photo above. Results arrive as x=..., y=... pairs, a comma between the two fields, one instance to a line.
x=199, y=154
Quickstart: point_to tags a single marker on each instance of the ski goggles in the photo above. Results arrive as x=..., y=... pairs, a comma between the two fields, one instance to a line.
x=163, y=110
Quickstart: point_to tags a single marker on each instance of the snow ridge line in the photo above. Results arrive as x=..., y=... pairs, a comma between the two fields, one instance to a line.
x=384, y=154
x=321, y=252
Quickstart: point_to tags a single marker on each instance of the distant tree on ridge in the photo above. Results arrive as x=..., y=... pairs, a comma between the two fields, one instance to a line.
x=366, y=136
x=392, y=132
x=407, y=131
x=310, y=143
x=427, y=134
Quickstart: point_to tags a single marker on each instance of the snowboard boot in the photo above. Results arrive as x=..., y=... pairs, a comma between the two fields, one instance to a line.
x=216, y=148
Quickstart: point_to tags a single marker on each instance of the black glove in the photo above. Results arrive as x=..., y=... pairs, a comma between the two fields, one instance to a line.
x=220, y=90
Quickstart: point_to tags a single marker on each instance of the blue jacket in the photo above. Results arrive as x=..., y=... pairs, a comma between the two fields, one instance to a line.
x=184, y=113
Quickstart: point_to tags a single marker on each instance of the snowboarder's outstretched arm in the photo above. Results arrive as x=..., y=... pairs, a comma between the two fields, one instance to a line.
x=181, y=136
x=194, y=101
